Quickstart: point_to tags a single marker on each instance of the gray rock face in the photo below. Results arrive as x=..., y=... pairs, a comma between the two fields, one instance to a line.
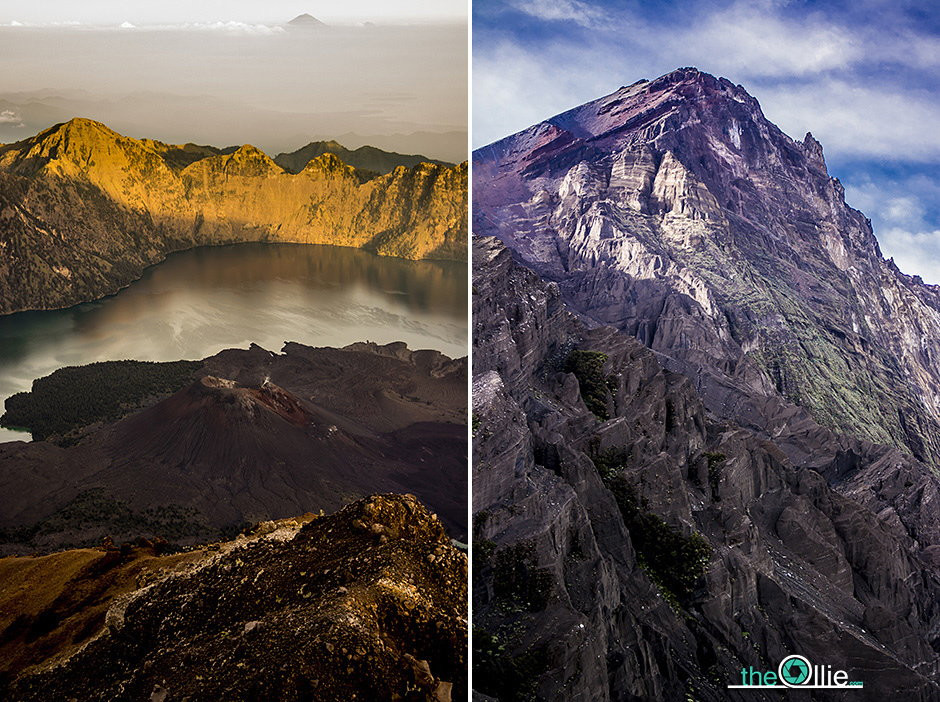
x=654, y=554
x=676, y=212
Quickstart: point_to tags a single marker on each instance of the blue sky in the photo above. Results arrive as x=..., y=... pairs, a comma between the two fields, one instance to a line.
x=862, y=75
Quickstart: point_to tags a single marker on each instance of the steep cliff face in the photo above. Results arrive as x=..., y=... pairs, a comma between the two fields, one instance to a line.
x=629, y=544
x=83, y=210
x=367, y=603
x=675, y=211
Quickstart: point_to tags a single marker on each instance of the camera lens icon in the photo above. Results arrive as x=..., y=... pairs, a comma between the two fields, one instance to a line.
x=794, y=670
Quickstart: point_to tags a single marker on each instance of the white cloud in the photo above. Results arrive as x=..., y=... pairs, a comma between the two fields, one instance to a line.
x=514, y=88
x=562, y=10
x=901, y=221
x=915, y=252
x=911, y=49
x=10, y=117
x=227, y=27
x=855, y=119
x=896, y=201
x=904, y=210
x=230, y=27
x=745, y=41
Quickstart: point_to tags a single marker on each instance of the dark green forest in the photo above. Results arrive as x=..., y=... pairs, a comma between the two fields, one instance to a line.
x=76, y=396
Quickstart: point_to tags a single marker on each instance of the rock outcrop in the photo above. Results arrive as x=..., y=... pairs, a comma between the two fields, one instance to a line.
x=368, y=603
x=83, y=210
x=630, y=544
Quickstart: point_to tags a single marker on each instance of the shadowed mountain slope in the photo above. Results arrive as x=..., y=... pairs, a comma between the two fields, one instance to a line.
x=366, y=158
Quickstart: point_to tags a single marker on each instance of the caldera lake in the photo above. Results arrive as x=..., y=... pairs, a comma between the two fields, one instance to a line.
x=201, y=301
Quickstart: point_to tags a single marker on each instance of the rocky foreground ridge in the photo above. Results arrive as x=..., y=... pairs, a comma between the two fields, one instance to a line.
x=675, y=211
x=368, y=603
x=83, y=210
x=630, y=544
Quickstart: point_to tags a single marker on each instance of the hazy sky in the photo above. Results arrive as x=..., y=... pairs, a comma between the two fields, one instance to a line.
x=862, y=75
x=166, y=11
x=232, y=72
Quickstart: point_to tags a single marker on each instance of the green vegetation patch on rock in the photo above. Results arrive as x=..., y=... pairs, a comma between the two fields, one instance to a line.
x=95, y=511
x=502, y=675
x=674, y=561
x=518, y=582
x=588, y=368
x=76, y=396
x=715, y=460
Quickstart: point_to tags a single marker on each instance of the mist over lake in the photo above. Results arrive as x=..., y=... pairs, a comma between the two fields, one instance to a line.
x=202, y=301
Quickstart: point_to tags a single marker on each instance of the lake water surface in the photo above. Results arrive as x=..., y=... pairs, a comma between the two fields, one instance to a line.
x=199, y=302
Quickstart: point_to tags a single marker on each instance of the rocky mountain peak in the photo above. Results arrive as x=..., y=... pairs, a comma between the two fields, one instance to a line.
x=73, y=141
x=247, y=160
x=81, y=125
x=78, y=134
x=77, y=128
x=681, y=189
x=86, y=151
x=247, y=152
x=681, y=98
x=788, y=355
x=688, y=75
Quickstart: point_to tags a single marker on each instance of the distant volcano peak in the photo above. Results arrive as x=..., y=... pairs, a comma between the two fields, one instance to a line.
x=305, y=20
